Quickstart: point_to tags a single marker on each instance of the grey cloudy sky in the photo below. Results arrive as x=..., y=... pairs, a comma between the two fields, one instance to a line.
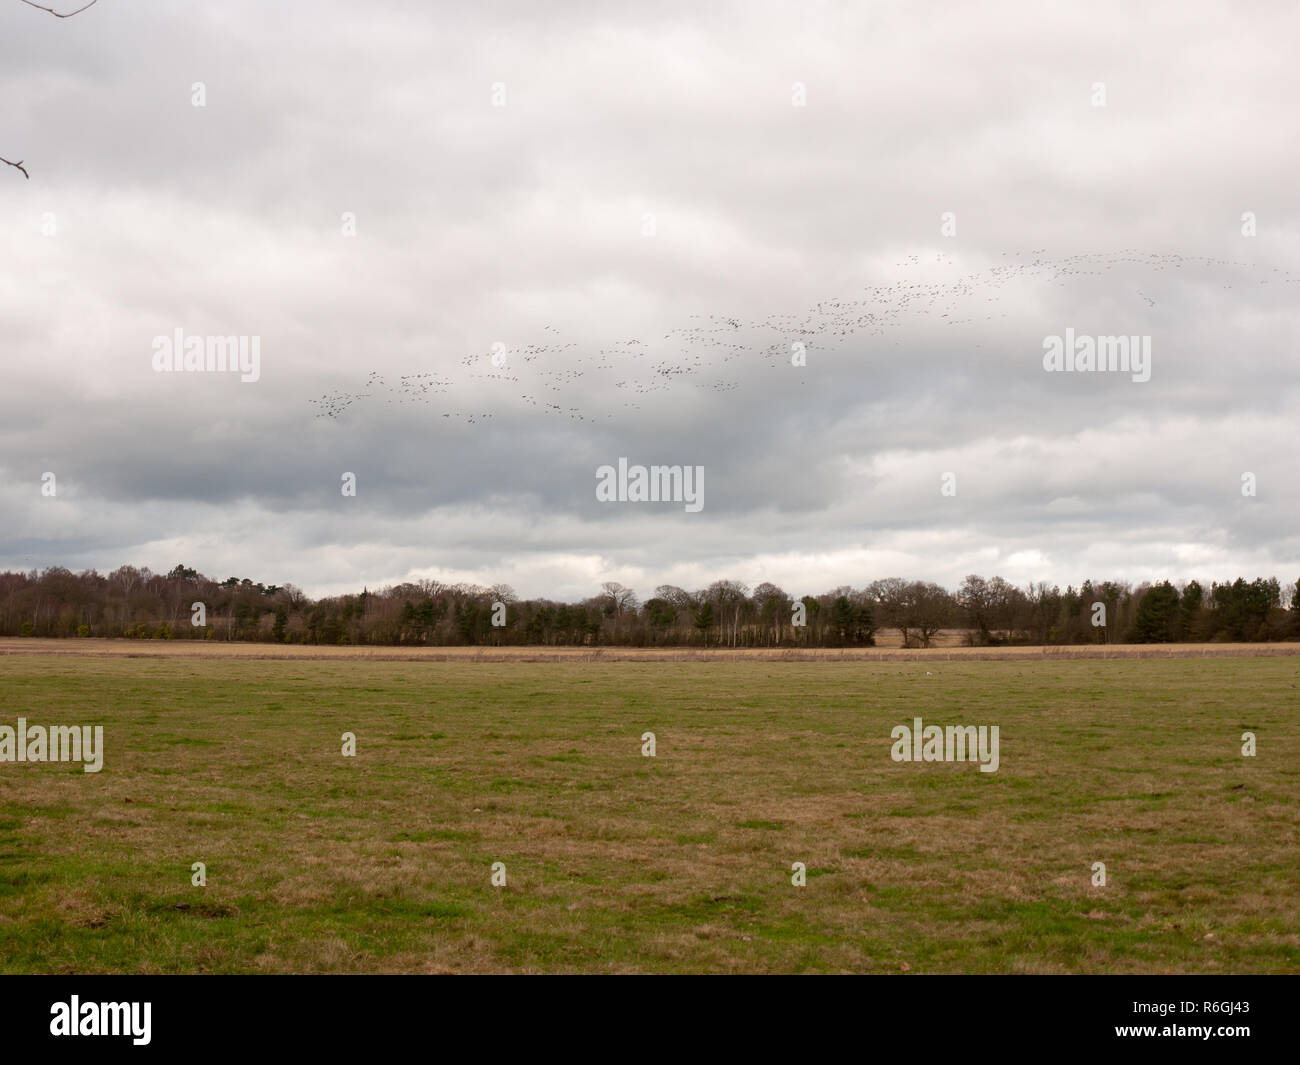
x=646, y=226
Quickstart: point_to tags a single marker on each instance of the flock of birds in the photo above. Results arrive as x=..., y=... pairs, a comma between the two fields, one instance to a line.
x=715, y=352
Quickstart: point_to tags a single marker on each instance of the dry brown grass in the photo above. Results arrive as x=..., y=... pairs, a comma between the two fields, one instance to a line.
x=619, y=863
x=889, y=650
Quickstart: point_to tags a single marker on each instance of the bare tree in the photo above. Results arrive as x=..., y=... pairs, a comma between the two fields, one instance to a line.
x=615, y=600
x=929, y=609
x=729, y=596
x=891, y=594
x=679, y=597
x=618, y=596
x=773, y=607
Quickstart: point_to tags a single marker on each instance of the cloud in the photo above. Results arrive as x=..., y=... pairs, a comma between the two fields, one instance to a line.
x=644, y=230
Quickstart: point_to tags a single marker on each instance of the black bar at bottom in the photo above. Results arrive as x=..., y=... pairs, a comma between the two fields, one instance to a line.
x=1243, y=1014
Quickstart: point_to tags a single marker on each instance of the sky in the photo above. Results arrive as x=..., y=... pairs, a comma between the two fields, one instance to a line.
x=816, y=249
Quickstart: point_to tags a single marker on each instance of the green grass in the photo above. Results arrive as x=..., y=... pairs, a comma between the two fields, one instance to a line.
x=679, y=863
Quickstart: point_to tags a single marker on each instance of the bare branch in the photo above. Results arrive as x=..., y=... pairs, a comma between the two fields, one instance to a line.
x=41, y=7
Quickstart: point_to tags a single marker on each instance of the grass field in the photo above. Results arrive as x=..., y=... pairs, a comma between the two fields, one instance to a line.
x=617, y=862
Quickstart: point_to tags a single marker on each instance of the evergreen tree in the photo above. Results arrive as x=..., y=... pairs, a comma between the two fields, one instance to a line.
x=1157, y=615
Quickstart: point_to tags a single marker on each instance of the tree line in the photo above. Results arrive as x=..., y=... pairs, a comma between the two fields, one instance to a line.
x=135, y=603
